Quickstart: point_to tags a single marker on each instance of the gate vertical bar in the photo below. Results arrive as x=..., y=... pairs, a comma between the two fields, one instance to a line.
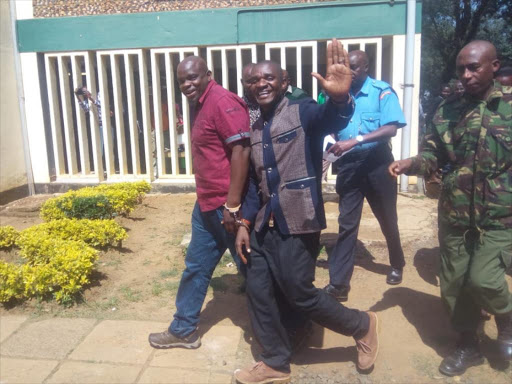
x=186, y=128
x=93, y=120
x=118, y=111
x=80, y=118
x=157, y=113
x=224, y=65
x=132, y=115
x=146, y=123
x=171, y=112
x=56, y=122
x=298, y=52
x=239, y=88
x=209, y=61
x=69, y=135
x=378, y=64
x=108, y=145
x=314, y=62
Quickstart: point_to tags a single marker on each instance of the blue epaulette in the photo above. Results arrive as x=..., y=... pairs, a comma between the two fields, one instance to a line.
x=380, y=84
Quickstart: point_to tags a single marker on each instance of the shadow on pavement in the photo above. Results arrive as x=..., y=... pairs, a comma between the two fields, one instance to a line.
x=308, y=356
x=228, y=302
x=426, y=313
x=426, y=261
x=363, y=257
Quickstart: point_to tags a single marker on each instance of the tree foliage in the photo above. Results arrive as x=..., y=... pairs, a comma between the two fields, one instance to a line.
x=448, y=25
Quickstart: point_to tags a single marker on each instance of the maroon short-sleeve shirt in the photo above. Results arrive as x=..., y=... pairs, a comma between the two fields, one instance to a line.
x=219, y=119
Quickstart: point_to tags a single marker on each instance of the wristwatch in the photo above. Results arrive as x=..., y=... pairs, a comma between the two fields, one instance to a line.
x=359, y=139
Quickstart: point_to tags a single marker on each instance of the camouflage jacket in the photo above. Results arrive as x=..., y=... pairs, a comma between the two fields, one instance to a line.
x=475, y=138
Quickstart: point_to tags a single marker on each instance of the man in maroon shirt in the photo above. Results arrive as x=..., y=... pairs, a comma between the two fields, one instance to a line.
x=220, y=155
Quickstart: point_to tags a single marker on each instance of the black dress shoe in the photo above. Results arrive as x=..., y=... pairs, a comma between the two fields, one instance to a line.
x=467, y=354
x=340, y=294
x=395, y=276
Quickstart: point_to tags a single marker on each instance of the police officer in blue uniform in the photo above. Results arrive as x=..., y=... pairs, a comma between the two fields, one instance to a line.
x=362, y=173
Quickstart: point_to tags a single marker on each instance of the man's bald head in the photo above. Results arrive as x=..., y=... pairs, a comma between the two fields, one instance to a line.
x=480, y=47
x=476, y=64
x=246, y=71
x=245, y=80
x=359, y=67
x=193, y=77
x=359, y=55
x=286, y=77
x=191, y=61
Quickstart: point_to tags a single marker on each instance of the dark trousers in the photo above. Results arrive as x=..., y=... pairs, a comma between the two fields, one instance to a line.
x=280, y=289
x=363, y=175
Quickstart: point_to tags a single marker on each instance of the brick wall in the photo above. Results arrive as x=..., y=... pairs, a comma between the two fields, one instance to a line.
x=61, y=8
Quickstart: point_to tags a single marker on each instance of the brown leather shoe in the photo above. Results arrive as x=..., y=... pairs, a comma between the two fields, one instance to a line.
x=368, y=346
x=261, y=373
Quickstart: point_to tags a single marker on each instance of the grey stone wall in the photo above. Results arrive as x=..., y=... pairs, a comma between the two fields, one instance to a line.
x=62, y=8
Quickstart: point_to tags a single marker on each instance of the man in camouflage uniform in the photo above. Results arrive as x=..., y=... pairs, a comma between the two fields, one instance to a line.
x=473, y=133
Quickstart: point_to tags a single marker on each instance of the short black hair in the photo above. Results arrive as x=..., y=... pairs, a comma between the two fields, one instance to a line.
x=276, y=65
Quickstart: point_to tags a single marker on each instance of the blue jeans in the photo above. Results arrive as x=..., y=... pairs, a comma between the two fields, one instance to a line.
x=209, y=242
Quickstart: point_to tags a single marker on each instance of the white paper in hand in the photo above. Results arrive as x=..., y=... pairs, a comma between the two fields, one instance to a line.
x=331, y=157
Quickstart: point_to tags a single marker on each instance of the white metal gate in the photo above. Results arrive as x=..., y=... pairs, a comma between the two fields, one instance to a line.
x=299, y=47
x=368, y=45
x=64, y=73
x=121, y=142
x=145, y=132
x=171, y=58
x=238, y=49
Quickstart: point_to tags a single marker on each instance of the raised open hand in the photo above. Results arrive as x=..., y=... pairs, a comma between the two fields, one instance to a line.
x=338, y=77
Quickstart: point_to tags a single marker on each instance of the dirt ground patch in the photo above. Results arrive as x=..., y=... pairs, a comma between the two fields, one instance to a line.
x=140, y=281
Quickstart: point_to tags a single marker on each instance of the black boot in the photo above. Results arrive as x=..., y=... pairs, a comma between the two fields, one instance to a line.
x=467, y=354
x=340, y=293
x=504, y=325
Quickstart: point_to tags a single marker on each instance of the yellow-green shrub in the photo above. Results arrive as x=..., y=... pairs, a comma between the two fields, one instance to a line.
x=141, y=187
x=62, y=268
x=58, y=254
x=8, y=236
x=51, y=211
x=97, y=233
x=123, y=197
x=11, y=282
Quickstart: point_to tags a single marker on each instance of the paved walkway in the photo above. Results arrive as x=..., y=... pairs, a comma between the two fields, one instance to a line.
x=63, y=350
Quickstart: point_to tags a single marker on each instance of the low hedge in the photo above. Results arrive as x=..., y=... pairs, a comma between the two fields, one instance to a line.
x=8, y=236
x=59, y=267
x=58, y=255
x=96, y=233
x=102, y=202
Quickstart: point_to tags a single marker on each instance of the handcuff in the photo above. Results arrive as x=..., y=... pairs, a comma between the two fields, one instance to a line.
x=239, y=221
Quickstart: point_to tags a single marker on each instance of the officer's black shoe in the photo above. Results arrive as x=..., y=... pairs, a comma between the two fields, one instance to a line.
x=467, y=354
x=339, y=293
x=395, y=276
x=504, y=325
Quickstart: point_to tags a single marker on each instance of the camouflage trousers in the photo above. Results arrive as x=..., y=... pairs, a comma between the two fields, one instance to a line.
x=472, y=276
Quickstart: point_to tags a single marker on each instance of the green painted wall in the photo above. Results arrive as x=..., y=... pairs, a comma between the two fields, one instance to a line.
x=356, y=18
